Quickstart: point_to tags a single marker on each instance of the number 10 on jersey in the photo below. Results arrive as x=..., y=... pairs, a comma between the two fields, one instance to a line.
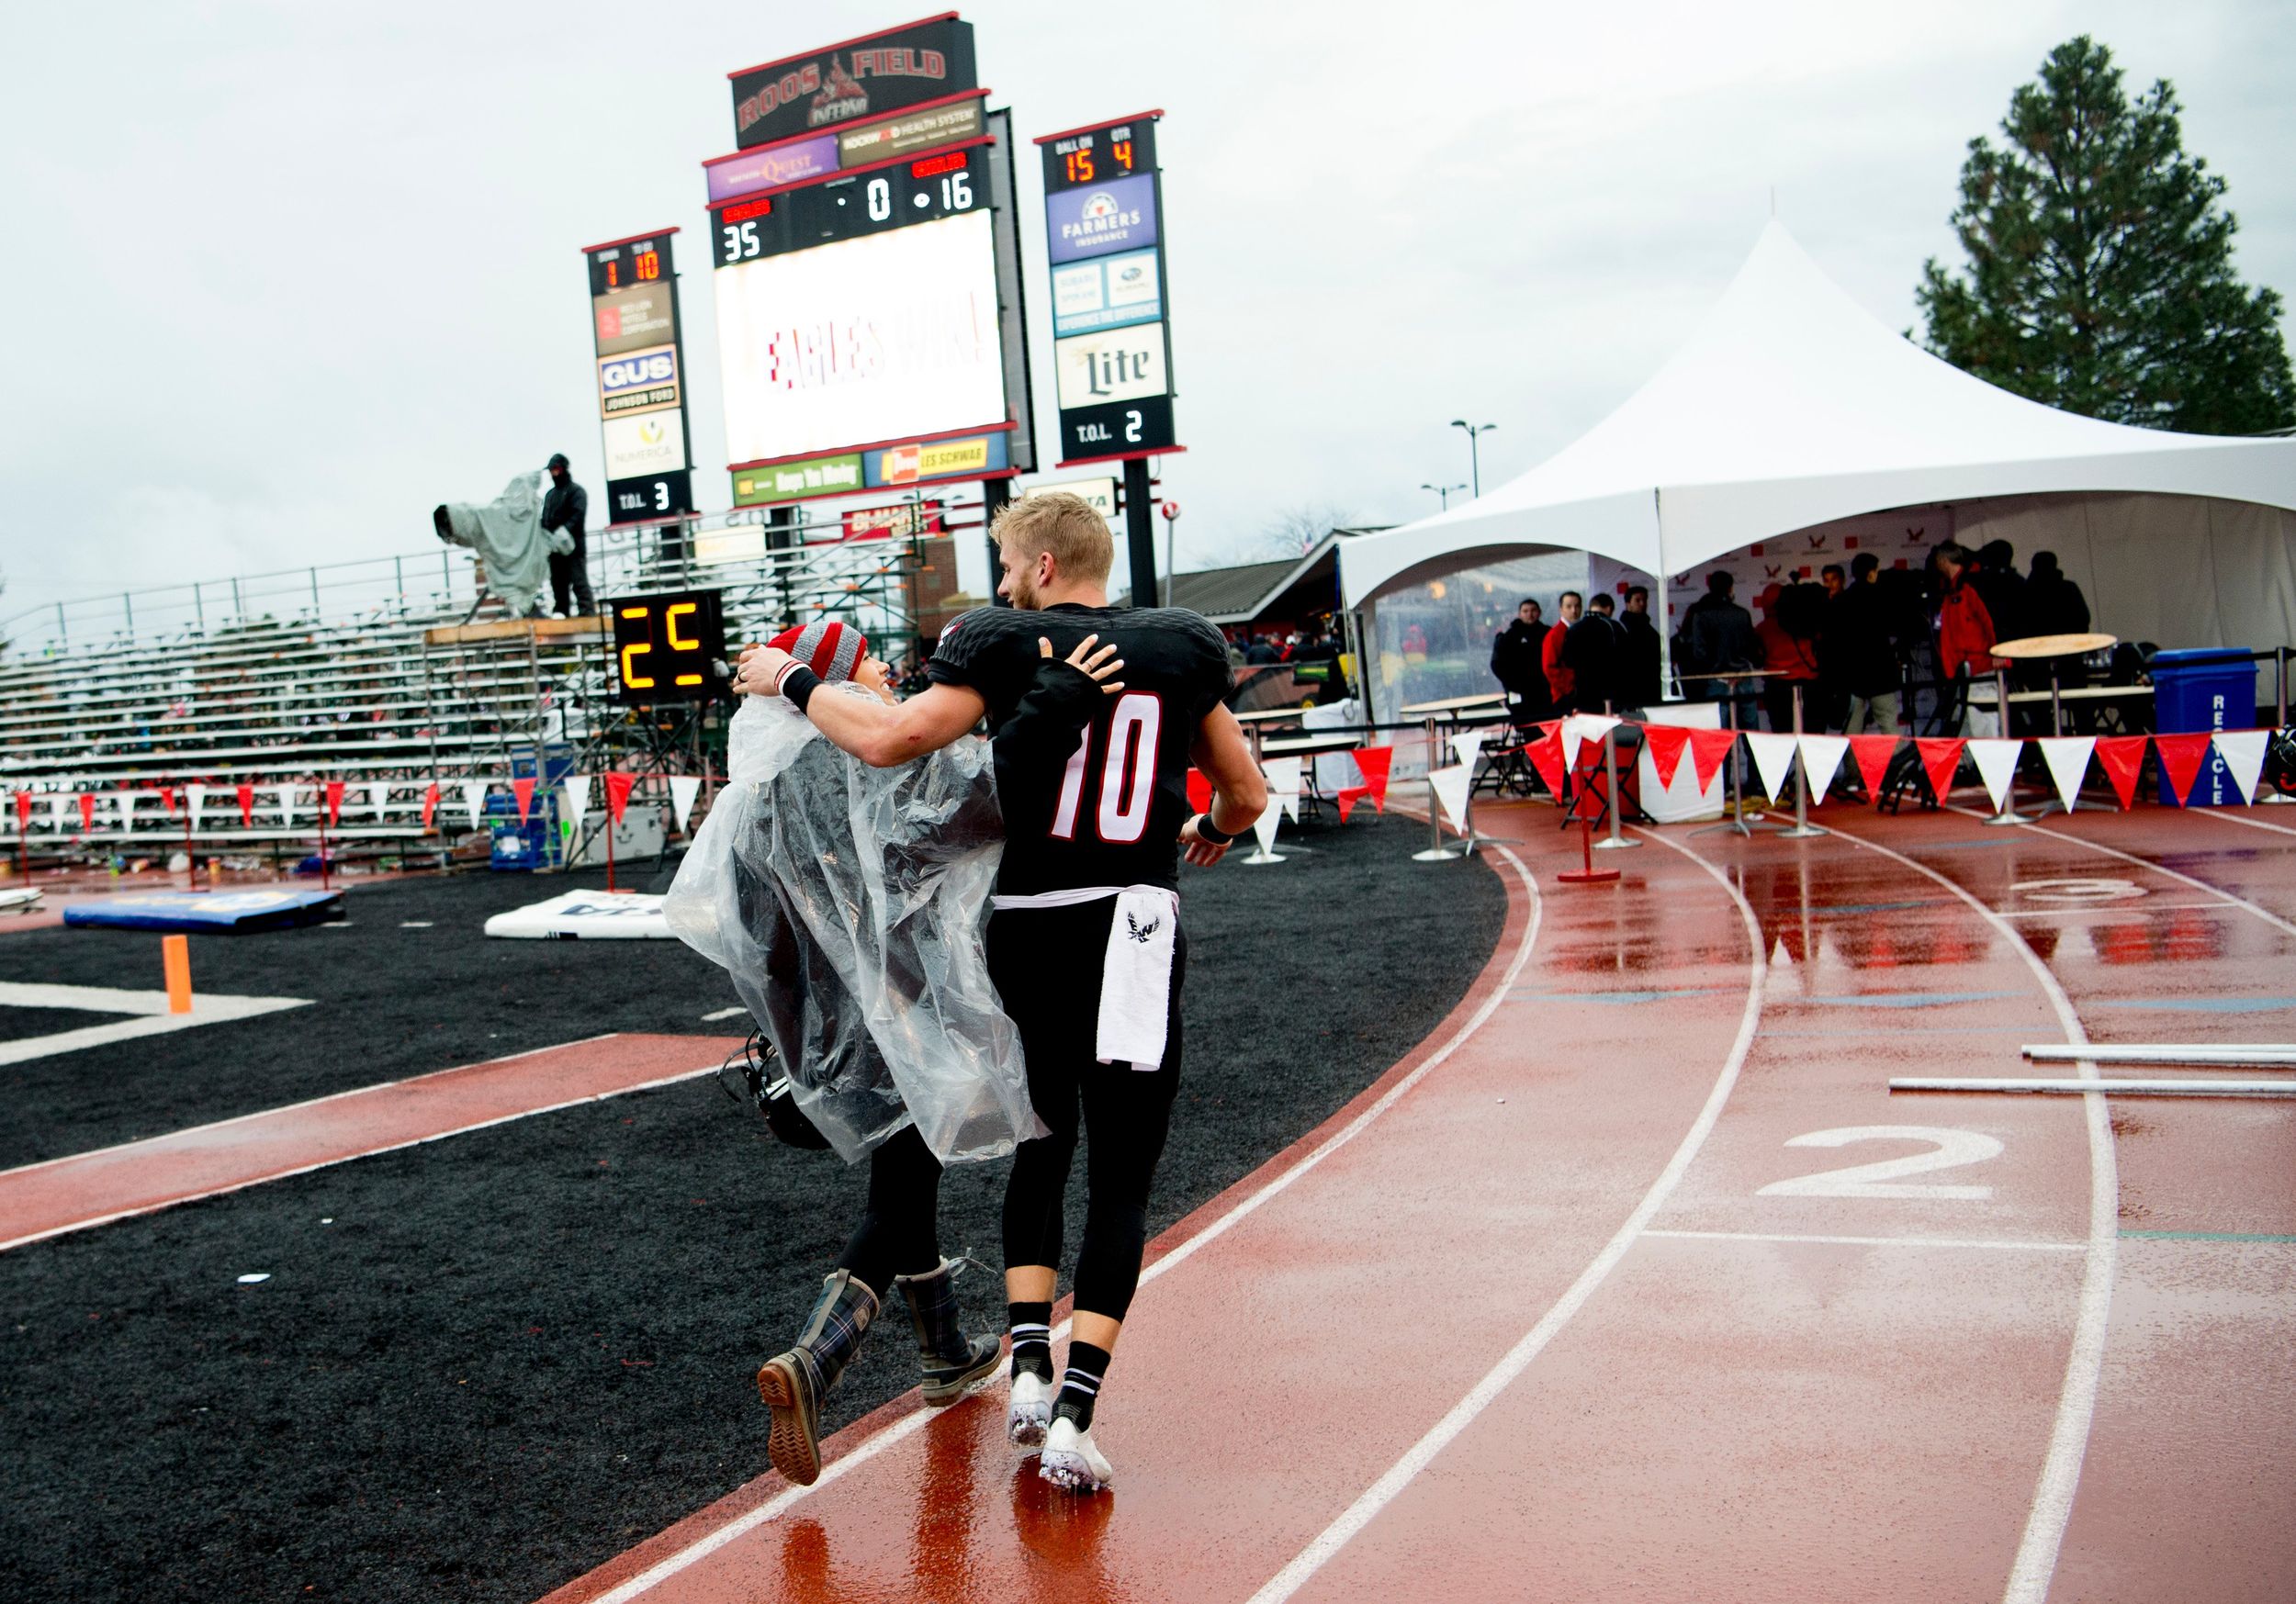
x=1126, y=786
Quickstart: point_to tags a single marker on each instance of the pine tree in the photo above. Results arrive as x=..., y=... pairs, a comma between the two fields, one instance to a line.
x=2101, y=275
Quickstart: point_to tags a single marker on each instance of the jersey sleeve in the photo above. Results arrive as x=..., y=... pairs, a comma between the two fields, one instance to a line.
x=957, y=657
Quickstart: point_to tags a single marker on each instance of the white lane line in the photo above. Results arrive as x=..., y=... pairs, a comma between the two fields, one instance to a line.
x=206, y=1009
x=1789, y=1237
x=909, y=1425
x=2225, y=815
x=1380, y=1493
x=93, y=999
x=722, y=1014
x=2036, y=1561
x=2201, y=885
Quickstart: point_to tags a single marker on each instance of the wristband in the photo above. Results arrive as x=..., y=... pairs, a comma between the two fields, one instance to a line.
x=1208, y=831
x=798, y=683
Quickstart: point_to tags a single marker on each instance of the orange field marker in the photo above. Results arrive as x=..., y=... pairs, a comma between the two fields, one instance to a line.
x=175, y=953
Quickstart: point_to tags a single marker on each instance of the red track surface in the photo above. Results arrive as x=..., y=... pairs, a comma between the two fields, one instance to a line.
x=1542, y=1326
x=88, y=1189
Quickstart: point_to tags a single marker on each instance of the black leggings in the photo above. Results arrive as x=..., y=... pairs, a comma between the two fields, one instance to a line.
x=899, y=1230
x=1046, y=963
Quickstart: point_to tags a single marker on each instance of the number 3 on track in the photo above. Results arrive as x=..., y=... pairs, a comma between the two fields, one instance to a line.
x=1954, y=1149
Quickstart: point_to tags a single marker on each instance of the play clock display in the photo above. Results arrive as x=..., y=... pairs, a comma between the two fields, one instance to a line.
x=669, y=647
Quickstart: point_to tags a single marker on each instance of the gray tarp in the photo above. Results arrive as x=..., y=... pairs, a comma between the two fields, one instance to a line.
x=848, y=904
x=507, y=534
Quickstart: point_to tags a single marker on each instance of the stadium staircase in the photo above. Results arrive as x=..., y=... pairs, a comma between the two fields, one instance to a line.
x=354, y=674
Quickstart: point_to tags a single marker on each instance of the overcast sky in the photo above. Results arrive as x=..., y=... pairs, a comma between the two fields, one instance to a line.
x=286, y=275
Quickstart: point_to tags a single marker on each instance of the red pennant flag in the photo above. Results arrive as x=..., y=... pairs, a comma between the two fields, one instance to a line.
x=1546, y=756
x=430, y=806
x=1349, y=795
x=1667, y=743
x=1374, y=762
x=1199, y=792
x=246, y=804
x=523, y=789
x=335, y=802
x=2180, y=761
x=2122, y=759
x=1940, y=756
x=23, y=811
x=1872, y=753
x=1707, y=750
x=618, y=793
x=167, y=799
x=87, y=811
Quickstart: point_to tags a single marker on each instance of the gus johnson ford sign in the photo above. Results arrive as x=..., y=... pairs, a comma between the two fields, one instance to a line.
x=859, y=78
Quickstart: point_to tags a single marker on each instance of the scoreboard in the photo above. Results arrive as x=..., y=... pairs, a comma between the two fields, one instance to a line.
x=1113, y=343
x=865, y=251
x=640, y=356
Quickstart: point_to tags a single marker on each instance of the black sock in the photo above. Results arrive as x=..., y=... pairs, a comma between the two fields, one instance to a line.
x=1030, y=1324
x=1080, y=1388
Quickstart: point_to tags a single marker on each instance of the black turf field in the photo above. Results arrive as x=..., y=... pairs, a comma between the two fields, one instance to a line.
x=482, y=1366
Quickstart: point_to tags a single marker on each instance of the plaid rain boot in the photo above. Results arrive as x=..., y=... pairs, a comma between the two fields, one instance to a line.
x=793, y=1384
x=952, y=1360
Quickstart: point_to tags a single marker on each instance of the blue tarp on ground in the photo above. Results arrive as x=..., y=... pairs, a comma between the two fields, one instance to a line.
x=210, y=913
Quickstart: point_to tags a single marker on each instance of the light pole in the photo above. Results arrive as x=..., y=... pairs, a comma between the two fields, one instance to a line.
x=1474, y=455
x=1444, y=491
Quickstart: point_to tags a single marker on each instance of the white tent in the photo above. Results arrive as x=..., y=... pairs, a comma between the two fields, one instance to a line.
x=1792, y=406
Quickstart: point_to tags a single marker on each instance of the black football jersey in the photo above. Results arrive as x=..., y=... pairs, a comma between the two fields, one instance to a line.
x=1111, y=814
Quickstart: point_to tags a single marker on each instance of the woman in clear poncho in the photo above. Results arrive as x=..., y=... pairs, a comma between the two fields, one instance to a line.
x=847, y=903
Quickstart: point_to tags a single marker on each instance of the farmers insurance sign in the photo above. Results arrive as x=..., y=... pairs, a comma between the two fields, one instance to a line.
x=861, y=78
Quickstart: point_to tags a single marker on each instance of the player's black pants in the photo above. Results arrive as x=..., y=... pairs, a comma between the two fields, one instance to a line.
x=1046, y=963
x=899, y=1230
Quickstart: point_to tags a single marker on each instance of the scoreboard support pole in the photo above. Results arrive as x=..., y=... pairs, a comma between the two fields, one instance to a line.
x=995, y=494
x=1140, y=530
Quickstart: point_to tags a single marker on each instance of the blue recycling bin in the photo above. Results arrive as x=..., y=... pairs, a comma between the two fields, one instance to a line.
x=2206, y=687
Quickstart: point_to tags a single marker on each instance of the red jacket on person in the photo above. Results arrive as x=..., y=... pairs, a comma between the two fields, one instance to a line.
x=1964, y=632
x=1561, y=679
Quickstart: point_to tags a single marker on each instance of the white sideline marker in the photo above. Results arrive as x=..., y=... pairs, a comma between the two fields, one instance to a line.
x=2117, y=1088
x=2229, y=1055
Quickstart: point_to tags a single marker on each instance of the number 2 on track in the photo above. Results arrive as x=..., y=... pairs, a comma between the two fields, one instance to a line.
x=1953, y=1149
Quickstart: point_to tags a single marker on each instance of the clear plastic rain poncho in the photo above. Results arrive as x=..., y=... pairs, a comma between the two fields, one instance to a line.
x=507, y=534
x=848, y=904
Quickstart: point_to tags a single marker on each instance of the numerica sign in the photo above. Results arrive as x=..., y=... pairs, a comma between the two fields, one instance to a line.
x=861, y=78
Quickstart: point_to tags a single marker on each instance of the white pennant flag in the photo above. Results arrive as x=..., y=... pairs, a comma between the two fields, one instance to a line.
x=194, y=795
x=2243, y=752
x=1822, y=760
x=685, y=789
x=379, y=798
x=1450, y=788
x=1468, y=745
x=473, y=797
x=1995, y=758
x=577, y=796
x=2067, y=757
x=287, y=804
x=1773, y=759
x=1284, y=775
x=1581, y=727
x=1265, y=828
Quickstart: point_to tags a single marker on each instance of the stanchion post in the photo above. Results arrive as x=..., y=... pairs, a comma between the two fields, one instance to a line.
x=1803, y=829
x=1439, y=852
x=1738, y=784
x=1614, y=841
x=2007, y=814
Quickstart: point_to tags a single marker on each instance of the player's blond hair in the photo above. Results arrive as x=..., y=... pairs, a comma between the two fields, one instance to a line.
x=1059, y=523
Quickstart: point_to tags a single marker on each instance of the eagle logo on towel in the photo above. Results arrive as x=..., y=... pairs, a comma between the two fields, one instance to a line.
x=1140, y=932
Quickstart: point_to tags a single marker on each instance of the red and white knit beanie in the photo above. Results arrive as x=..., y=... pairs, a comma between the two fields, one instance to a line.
x=830, y=649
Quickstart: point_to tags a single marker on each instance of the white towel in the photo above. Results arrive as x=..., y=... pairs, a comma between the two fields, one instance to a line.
x=1136, y=980
x=1136, y=973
